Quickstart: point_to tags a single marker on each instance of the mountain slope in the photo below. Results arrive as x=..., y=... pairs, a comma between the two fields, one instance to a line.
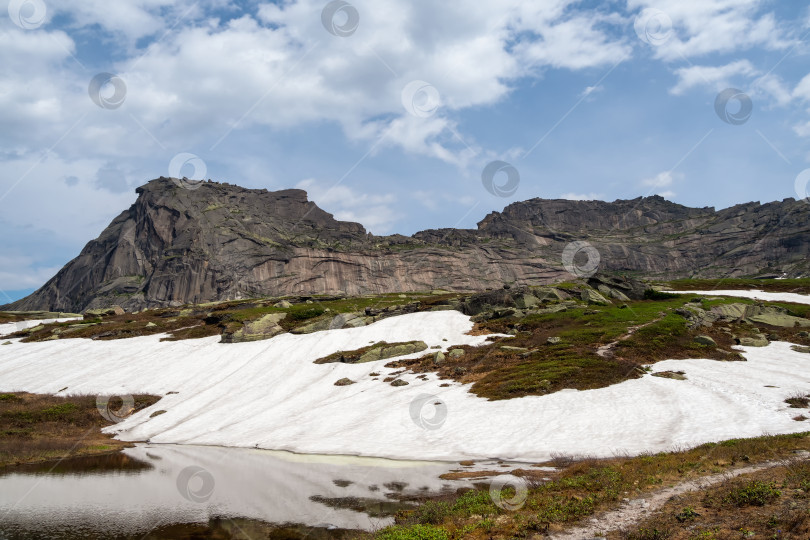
x=221, y=241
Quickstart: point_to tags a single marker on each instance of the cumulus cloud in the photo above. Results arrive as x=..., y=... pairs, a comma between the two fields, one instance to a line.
x=715, y=77
x=375, y=211
x=583, y=196
x=715, y=26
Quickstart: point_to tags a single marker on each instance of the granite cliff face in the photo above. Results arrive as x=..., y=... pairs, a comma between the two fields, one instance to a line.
x=221, y=242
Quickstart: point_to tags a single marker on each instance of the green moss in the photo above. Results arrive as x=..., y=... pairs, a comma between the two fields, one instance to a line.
x=414, y=532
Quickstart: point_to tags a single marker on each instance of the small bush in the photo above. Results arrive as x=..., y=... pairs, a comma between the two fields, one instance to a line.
x=9, y=398
x=432, y=512
x=798, y=401
x=474, y=503
x=309, y=312
x=687, y=514
x=652, y=294
x=754, y=493
x=653, y=533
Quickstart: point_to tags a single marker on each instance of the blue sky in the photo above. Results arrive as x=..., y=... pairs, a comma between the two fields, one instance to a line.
x=390, y=122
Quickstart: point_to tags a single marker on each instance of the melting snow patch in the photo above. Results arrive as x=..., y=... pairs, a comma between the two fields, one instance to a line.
x=270, y=394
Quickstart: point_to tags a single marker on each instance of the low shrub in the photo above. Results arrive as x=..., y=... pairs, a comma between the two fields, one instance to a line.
x=754, y=493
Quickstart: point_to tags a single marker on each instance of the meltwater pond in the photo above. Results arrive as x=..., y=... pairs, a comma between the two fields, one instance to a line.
x=170, y=491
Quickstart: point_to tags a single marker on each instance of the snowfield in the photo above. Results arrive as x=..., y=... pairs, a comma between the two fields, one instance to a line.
x=756, y=295
x=270, y=394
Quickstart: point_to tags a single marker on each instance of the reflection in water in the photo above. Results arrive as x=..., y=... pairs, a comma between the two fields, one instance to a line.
x=156, y=487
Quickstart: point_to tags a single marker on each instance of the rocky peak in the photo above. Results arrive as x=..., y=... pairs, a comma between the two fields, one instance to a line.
x=219, y=241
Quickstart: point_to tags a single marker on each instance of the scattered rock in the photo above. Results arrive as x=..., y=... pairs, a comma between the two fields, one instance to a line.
x=376, y=351
x=455, y=353
x=156, y=413
x=553, y=340
x=263, y=328
x=773, y=318
x=389, y=351
x=676, y=375
x=797, y=348
x=399, y=382
x=758, y=340
x=593, y=297
x=150, y=324
x=459, y=370
x=619, y=287
x=438, y=358
x=705, y=340
x=282, y=304
x=7, y=343
x=104, y=312
x=345, y=381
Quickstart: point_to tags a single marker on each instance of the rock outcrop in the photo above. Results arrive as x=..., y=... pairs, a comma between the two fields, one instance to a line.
x=220, y=242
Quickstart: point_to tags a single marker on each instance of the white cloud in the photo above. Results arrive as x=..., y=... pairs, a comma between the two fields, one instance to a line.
x=583, y=196
x=715, y=77
x=21, y=272
x=715, y=26
x=662, y=179
x=373, y=211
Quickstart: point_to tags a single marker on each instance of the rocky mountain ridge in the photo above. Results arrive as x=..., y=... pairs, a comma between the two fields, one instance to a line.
x=219, y=241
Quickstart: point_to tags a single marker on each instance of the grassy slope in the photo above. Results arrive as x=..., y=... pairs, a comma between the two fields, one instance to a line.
x=583, y=488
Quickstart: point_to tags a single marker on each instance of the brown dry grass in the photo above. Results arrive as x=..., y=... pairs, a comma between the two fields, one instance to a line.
x=585, y=487
x=36, y=427
x=774, y=503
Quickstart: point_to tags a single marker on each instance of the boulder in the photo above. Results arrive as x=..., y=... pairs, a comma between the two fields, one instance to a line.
x=772, y=318
x=800, y=348
x=758, y=340
x=383, y=352
x=731, y=312
x=345, y=381
x=625, y=288
x=456, y=353
x=553, y=340
x=150, y=324
x=438, y=358
x=593, y=297
x=527, y=300
x=399, y=382
x=264, y=328
x=705, y=340
x=283, y=304
x=104, y=312
x=675, y=375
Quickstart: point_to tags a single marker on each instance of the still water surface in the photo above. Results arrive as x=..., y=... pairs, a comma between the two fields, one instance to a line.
x=171, y=491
